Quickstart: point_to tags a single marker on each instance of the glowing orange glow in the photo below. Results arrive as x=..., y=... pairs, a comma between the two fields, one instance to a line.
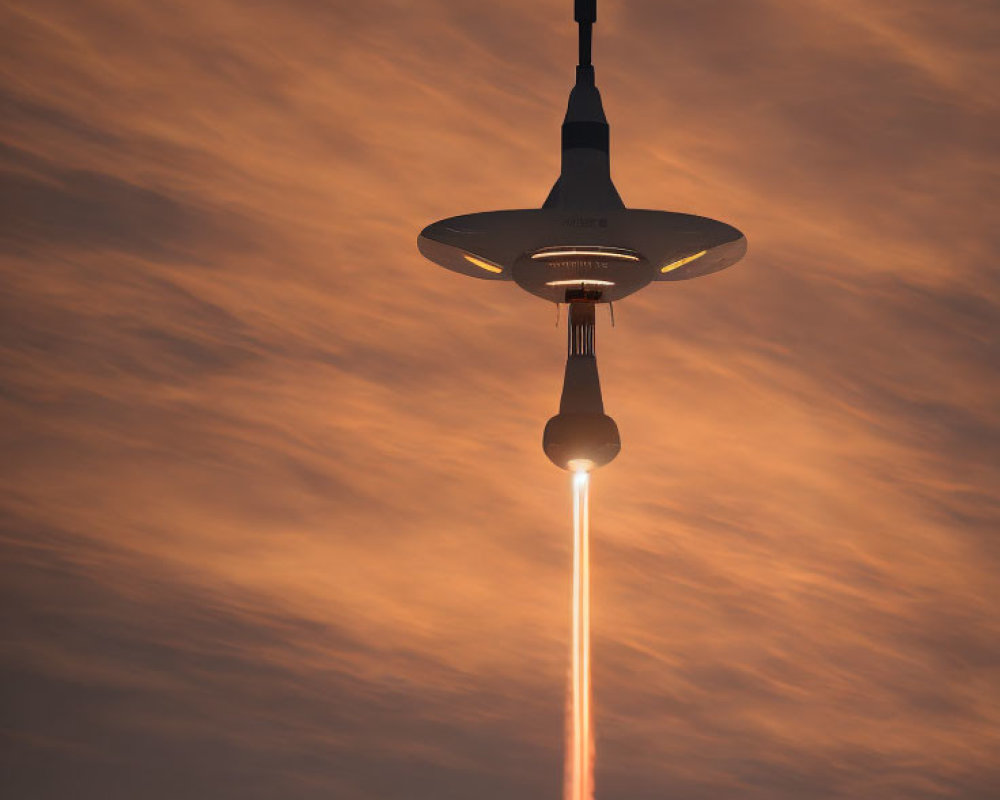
x=579, y=775
x=682, y=261
x=483, y=264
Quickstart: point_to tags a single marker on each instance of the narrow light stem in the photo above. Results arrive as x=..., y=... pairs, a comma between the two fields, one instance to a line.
x=580, y=750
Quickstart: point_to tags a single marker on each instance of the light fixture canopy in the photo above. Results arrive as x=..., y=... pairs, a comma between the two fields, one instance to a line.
x=582, y=247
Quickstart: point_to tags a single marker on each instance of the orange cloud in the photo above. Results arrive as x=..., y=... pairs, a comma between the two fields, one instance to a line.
x=277, y=519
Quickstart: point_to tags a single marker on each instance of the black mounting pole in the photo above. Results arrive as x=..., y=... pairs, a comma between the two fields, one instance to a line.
x=585, y=13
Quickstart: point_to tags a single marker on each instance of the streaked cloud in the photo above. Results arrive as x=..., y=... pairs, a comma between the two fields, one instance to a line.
x=276, y=517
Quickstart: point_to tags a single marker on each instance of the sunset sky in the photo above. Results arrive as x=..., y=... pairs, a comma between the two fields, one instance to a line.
x=276, y=521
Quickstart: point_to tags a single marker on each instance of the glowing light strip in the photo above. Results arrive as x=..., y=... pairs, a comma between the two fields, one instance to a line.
x=593, y=253
x=483, y=264
x=588, y=281
x=682, y=261
x=580, y=748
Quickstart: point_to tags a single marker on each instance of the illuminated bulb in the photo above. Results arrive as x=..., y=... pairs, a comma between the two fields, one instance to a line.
x=581, y=466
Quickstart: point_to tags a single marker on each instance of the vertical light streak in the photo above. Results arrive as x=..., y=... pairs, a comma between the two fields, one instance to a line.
x=587, y=744
x=579, y=783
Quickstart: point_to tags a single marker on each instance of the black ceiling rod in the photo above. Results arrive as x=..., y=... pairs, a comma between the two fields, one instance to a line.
x=585, y=13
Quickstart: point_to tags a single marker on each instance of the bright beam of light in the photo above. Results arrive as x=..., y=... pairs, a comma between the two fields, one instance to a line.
x=579, y=781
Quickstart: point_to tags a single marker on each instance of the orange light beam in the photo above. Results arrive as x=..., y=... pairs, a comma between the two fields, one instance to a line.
x=580, y=747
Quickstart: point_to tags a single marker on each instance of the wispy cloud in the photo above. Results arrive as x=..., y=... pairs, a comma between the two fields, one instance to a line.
x=277, y=521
